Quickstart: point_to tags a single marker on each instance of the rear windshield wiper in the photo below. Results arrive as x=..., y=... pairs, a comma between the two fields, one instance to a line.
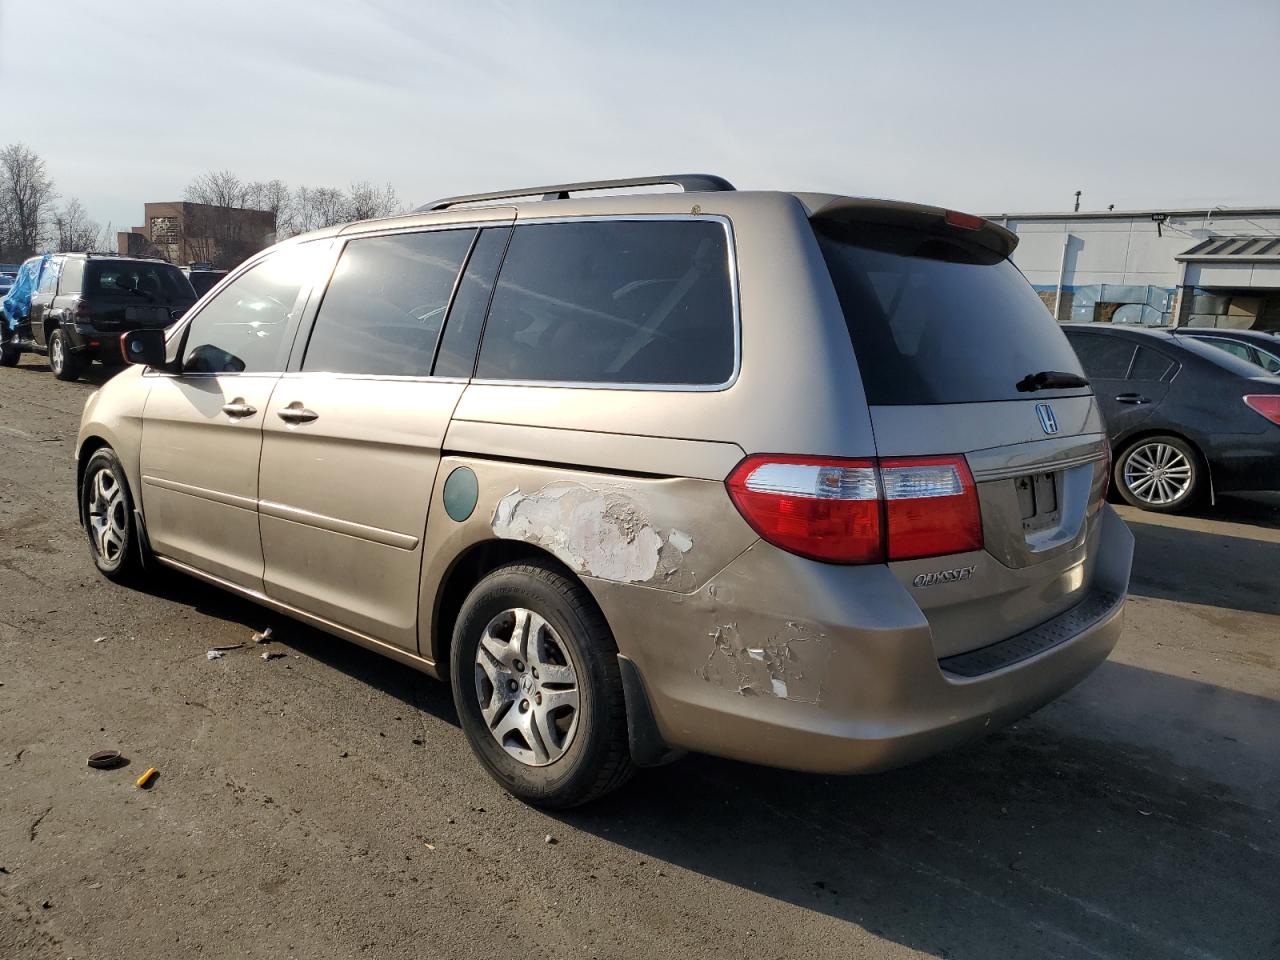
x=1050, y=380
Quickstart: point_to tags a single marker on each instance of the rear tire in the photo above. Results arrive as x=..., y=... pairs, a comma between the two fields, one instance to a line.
x=64, y=364
x=541, y=701
x=1163, y=474
x=9, y=352
x=106, y=507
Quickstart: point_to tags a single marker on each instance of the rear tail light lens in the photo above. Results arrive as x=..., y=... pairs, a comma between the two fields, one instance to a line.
x=1267, y=404
x=931, y=507
x=859, y=511
x=81, y=310
x=816, y=507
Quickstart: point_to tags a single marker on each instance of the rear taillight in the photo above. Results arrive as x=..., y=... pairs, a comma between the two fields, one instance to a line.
x=817, y=507
x=859, y=511
x=1267, y=404
x=931, y=507
x=81, y=310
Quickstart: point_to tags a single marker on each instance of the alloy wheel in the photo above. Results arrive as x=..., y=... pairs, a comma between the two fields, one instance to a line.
x=108, y=516
x=527, y=687
x=1158, y=473
x=56, y=355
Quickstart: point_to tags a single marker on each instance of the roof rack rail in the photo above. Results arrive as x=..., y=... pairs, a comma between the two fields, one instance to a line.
x=689, y=182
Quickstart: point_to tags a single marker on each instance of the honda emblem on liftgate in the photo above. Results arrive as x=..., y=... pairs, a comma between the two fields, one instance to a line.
x=1047, y=420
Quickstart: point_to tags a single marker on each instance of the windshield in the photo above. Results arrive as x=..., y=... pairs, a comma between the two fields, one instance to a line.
x=147, y=281
x=935, y=320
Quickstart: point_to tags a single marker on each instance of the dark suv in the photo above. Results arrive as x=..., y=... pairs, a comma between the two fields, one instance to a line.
x=83, y=302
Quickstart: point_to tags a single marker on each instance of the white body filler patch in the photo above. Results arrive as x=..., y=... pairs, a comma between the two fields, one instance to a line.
x=598, y=532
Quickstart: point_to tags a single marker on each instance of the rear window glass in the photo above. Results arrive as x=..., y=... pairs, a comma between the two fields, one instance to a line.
x=148, y=281
x=629, y=302
x=934, y=320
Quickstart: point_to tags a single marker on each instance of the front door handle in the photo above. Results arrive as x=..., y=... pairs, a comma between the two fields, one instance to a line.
x=296, y=413
x=237, y=409
x=1132, y=398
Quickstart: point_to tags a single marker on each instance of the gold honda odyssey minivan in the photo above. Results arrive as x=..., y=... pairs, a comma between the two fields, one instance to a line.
x=799, y=479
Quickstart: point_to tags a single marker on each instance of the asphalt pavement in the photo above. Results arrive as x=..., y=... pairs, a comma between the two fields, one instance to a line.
x=325, y=804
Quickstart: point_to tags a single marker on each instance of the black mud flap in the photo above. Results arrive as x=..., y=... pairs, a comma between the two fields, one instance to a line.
x=648, y=749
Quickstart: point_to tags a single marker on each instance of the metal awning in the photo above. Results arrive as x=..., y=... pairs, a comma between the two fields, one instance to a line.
x=1235, y=250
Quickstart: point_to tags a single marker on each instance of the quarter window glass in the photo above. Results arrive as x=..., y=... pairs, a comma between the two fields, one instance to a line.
x=612, y=302
x=385, y=304
x=72, y=276
x=1103, y=358
x=466, y=318
x=245, y=328
x=1150, y=365
x=1270, y=363
x=49, y=277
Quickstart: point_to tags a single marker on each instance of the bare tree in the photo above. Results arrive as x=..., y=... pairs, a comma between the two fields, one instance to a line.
x=106, y=241
x=74, y=232
x=320, y=207
x=367, y=201
x=218, y=188
x=275, y=197
x=26, y=199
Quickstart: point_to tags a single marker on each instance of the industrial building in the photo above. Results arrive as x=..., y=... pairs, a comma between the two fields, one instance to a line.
x=183, y=232
x=1218, y=267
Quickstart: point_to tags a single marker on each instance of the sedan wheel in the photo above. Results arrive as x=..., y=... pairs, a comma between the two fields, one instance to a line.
x=1159, y=473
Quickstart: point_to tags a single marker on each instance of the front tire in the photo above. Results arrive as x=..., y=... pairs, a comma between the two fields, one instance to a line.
x=535, y=678
x=64, y=364
x=107, y=510
x=1163, y=474
x=9, y=352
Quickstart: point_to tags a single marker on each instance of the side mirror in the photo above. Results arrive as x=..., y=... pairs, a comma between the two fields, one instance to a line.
x=144, y=346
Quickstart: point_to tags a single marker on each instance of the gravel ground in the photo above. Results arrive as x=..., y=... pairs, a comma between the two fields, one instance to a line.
x=325, y=804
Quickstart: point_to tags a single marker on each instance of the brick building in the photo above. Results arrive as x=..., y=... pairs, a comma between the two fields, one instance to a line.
x=183, y=232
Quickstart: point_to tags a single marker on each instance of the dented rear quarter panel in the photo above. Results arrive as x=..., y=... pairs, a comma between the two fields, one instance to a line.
x=659, y=535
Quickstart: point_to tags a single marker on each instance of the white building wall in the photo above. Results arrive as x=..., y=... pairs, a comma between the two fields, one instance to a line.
x=1128, y=249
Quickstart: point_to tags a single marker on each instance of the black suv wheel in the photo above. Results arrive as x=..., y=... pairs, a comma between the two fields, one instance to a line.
x=9, y=352
x=64, y=364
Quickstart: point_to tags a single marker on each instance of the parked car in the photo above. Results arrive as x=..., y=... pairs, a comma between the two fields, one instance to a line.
x=203, y=276
x=82, y=302
x=1186, y=419
x=799, y=479
x=1255, y=346
x=6, y=282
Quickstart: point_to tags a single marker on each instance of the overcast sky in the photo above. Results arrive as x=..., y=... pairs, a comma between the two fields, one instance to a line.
x=977, y=105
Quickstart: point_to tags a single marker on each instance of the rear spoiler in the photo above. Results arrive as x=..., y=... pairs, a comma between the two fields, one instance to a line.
x=913, y=216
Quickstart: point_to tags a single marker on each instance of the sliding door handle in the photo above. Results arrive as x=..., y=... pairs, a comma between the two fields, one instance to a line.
x=297, y=413
x=237, y=409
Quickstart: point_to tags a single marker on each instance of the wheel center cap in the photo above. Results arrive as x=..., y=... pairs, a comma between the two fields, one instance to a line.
x=526, y=683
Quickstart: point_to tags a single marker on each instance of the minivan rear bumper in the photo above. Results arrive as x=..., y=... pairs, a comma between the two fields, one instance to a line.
x=810, y=666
